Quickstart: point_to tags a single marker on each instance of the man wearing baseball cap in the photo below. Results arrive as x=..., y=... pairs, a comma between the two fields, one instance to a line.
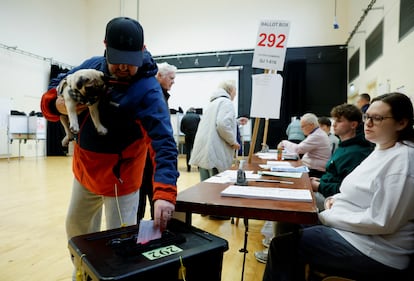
x=124, y=39
x=108, y=168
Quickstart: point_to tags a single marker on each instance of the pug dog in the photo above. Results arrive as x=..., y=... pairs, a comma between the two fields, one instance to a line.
x=84, y=86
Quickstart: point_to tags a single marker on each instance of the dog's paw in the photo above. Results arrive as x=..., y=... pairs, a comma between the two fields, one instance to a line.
x=65, y=141
x=74, y=128
x=102, y=130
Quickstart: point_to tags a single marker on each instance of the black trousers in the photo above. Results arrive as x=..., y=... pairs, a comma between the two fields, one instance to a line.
x=189, y=143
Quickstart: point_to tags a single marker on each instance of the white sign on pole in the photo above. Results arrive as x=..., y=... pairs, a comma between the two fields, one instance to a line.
x=266, y=96
x=271, y=44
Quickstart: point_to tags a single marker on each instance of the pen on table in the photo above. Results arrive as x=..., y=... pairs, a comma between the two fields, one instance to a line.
x=275, y=181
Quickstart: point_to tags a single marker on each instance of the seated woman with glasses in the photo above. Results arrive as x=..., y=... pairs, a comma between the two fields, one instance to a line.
x=367, y=230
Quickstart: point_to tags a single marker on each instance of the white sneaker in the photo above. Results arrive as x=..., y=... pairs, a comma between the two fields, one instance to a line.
x=266, y=241
x=261, y=256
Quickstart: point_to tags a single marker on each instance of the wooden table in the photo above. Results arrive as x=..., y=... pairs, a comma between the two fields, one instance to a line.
x=204, y=198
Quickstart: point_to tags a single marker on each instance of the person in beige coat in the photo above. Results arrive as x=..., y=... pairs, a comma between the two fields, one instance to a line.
x=216, y=138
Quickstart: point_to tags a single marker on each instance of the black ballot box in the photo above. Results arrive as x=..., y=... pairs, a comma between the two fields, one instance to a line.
x=115, y=255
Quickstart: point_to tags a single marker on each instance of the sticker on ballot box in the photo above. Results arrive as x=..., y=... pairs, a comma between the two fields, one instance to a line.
x=162, y=252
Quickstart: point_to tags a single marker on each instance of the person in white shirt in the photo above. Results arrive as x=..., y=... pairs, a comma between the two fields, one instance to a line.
x=367, y=230
x=316, y=147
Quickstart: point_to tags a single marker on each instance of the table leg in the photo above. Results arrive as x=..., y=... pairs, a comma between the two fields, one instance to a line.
x=244, y=249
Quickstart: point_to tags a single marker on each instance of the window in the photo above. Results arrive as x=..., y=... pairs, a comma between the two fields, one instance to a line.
x=374, y=44
x=406, y=18
x=353, y=66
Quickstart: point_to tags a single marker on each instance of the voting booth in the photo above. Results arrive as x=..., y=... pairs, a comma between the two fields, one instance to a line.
x=115, y=255
x=23, y=128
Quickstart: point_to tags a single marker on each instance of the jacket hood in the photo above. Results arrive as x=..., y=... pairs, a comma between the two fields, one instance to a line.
x=149, y=66
x=219, y=93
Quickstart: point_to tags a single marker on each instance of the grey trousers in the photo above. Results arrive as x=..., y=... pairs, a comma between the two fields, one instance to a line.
x=85, y=211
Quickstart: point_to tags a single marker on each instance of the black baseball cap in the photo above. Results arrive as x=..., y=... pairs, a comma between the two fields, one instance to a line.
x=124, y=39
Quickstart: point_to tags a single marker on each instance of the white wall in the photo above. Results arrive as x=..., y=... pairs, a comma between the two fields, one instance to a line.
x=71, y=31
x=393, y=70
x=184, y=26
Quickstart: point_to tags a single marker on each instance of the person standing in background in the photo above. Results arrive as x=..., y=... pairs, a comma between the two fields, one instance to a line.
x=294, y=132
x=189, y=125
x=363, y=102
x=216, y=138
x=166, y=78
x=325, y=124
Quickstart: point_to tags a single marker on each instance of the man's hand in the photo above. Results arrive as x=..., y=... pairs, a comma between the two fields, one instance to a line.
x=61, y=107
x=242, y=120
x=163, y=211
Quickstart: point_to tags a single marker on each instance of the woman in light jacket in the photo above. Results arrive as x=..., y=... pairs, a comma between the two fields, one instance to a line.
x=216, y=138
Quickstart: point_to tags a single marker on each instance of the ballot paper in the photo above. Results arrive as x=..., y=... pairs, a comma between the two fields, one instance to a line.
x=147, y=232
x=273, y=193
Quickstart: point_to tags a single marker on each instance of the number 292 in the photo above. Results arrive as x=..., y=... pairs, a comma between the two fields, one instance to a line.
x=271, y=40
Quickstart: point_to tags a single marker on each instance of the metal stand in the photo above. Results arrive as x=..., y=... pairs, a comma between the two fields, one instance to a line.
x=244, y=249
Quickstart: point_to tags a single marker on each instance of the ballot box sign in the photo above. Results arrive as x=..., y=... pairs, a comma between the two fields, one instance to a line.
x=271, y=44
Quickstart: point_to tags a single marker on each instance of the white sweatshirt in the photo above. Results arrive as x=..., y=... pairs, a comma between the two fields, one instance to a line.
x=374, y=210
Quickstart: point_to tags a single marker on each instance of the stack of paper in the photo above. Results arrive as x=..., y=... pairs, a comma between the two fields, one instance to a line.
x=300, y=169
x=274, y=193
x=281, y=174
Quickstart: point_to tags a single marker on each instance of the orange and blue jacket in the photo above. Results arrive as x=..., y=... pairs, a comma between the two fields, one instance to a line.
x=138, y=120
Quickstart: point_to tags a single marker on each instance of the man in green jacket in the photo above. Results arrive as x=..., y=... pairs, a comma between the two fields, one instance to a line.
x=352, y=149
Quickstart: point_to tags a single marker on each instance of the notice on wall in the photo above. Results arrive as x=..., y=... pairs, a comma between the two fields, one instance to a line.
x=266, y=96
x=271, y=44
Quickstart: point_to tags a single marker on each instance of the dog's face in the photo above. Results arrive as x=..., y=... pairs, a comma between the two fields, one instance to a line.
x=88, y=82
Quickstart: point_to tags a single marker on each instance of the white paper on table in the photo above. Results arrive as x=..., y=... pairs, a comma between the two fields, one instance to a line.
x=279, y=163
x=266, y=155
x=147, y=232
x=215, y=179
x=300, y=169
x=282, y=174
x=230, y=176
x=273, y=193
x=269, y=164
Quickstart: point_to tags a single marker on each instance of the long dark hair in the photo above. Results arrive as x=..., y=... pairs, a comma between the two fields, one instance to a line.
x=401, y=108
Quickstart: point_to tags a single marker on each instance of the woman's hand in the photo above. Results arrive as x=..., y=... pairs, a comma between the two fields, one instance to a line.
x=329, y=202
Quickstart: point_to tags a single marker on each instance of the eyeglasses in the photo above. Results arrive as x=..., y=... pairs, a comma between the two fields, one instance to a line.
x=376, y=119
